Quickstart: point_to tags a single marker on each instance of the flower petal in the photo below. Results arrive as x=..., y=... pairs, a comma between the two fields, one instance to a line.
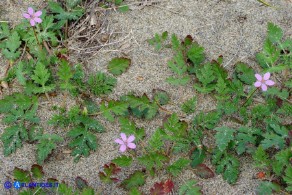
x=30, y=11
x=131, y=138
x=267, y=76
x=131, y=145
x=26, y=15
x=264, y=87
x=38, y=20
x=32, y=22
x=119, y=141
x=123, y=148
x=38, y=14
x=124, y=137
x=257, y=84
x=270, y=82
x=259, y=77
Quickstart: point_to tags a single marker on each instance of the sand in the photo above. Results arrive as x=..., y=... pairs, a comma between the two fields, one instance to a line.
x=233, y=28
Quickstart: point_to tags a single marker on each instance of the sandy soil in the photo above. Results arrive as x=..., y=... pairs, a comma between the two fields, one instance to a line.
x=232, y=28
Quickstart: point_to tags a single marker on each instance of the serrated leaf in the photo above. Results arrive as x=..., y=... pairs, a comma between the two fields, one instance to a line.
x=190, y=188
x=65, y=74
x=245, y=73
x=135, y=180
x=13, y=137
x=117, y=66
x=161, y=97
x=208, y=120
x=37, y=171
x=276, y=139
x=47, y=143
x=155, y=142
x=229, y=167
x=204, y=171
x=189, y=106
x=118, y=108
x=261, y=158
x=41, y=77
x=61, y=14
x=275, y=33
x=197, y=157
x=178, y=81
x=223, y=136
x=123, y=161
x=288, y=178
x=142, y=104
x=176, y=167
x=12, y=44
x=101, y=84
x=82, y=142
x=266, y=188
x=153, y=160
x=196, y=54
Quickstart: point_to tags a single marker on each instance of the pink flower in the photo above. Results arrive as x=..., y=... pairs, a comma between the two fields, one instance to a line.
x=34, y=17
x=263, y=81
x=126, y=143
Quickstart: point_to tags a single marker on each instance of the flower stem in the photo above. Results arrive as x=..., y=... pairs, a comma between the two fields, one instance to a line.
x=249, y=96
x=35, y=34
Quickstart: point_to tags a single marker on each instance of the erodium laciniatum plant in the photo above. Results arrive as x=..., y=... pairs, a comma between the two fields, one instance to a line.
x=256, y=100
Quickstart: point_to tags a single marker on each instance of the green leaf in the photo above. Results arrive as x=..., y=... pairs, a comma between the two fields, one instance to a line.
x=246, y=139
x=266, y=188
x=158, y=40
x=190, y=188
x=208, y=120
x=155, y=142
x=4, y=30
x=117, y=66
x=101, y=84
x=135, y=180
x=21, y=175
x=245, y=73
x=223, y=136
x=275, y=33
x=196, y=54
x=82, y=142
x=175, y=127
x=135, y=191
x=13, y=137
x=47, y=143
x=189, y=106
x=282, y=159
x=229, y=167
x=118, y=108
x=11, y=48
x=65, y=75
x=61, y=14
x=37, y=171
x=276, y=139
x=269, y=55
x=142, y=104
x=123, y=161
x=260, y=157
x=129, y=128
x=41, y=77
x=178, y=166
x=153, y=160
x=161, y=97
x=197, y=157
x=288, y=178
x=87, y=191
